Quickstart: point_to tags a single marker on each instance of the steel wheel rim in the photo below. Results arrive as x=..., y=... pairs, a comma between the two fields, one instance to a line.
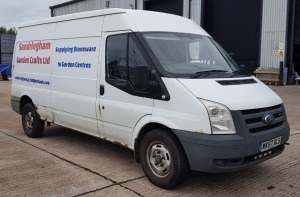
x=159, y=159
x=29, y=121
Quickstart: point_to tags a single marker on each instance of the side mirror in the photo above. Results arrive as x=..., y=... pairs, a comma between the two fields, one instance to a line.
x=141, y=80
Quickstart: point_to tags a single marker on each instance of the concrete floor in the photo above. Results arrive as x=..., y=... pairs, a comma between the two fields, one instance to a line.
x=67, y=163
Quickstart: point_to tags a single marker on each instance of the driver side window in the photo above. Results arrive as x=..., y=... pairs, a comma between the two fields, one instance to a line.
x=123, y=55
x=116, y=57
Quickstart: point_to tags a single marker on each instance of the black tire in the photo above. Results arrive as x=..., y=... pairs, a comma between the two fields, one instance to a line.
x=163, y=159
x=33, y=126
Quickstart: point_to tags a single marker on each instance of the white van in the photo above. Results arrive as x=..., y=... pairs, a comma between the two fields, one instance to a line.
x=153, y=82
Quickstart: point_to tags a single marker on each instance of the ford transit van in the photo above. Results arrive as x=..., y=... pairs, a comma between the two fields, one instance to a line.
x=154, y=82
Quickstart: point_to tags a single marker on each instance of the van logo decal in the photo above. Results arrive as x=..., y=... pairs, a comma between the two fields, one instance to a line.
x=29, y=53
x=31, y=80
x=269, y=118
x=75, y=49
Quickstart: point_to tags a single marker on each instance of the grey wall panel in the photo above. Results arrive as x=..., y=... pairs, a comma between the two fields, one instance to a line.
x=273, y=31
x=140, y=4
x=195, y=9
x=7, y=42
x=6, y=58
x=88, y=5
x=192, y=9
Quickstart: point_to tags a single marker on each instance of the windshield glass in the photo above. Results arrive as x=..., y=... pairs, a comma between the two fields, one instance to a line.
x=189, y=54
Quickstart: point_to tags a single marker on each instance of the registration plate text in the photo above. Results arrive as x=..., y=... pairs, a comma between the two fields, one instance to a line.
x=266, y=145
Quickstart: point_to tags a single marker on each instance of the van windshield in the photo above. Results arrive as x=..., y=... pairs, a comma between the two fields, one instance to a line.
x=190, y=55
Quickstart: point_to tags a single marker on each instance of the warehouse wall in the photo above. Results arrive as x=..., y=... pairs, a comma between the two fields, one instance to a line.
x=274, y=18
x=89, y=5
x=187, y=8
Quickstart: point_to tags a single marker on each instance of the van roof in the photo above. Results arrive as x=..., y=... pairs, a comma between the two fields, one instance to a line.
x=138, y=20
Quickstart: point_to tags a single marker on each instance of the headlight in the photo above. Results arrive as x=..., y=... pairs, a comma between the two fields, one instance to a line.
x=220, y=118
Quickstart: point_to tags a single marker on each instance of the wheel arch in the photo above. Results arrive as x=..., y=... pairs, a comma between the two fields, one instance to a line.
x=23, y=101
x=149, y=127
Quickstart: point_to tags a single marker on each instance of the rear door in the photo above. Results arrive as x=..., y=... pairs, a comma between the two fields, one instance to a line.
x=122, y=104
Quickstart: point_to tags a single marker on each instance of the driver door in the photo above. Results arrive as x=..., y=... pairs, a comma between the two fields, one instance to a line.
x=122, y=104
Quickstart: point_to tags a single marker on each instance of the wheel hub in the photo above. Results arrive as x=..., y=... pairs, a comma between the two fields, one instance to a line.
x=159, y=159
x=29, y=120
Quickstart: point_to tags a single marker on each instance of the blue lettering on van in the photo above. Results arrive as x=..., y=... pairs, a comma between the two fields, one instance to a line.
x=31, y=80
x=74, y=64
x=75, y=49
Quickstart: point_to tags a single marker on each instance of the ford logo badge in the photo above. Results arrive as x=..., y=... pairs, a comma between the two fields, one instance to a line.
x=268, y=118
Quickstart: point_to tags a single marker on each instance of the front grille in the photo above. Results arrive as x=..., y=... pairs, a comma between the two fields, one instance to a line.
x=254, y=118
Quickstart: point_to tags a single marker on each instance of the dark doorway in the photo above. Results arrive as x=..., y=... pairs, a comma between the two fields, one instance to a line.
x=297, y=23
x=236, y=25
x=167, y=6
x=296, y=58
x=296, y=48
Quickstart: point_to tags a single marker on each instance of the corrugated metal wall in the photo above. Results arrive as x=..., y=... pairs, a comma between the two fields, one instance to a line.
x=89, y=5
x=274, y=24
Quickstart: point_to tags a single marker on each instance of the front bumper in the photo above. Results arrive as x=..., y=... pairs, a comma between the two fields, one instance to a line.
x=226, y=153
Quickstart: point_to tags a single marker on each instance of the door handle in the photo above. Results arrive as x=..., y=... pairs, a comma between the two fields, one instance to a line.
x=101, y=90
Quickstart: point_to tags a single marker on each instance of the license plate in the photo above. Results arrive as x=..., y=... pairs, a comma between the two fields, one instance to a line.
x=266, y=145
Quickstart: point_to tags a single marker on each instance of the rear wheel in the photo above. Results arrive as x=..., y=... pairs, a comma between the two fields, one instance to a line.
x=32, y=125
x=163, y=159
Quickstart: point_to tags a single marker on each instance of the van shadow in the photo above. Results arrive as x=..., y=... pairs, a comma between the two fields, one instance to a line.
x=248, y=182
x=68, y=136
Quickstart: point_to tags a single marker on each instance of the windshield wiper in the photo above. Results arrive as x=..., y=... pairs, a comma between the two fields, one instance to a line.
x=207, y=72
x=239, y=72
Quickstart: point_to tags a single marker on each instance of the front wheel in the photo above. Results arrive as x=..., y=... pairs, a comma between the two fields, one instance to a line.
x=32, y=125
x=163, y=159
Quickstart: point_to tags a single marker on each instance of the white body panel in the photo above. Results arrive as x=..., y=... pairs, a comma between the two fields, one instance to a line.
x=184, y=111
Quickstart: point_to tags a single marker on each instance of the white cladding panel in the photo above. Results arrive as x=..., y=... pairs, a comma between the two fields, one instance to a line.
x=89, y=5
x=273, y=31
